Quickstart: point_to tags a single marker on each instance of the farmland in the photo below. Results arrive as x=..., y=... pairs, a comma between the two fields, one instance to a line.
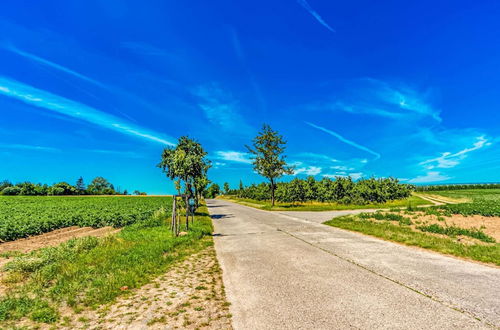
x=88, y=274
x=469, y=226
x=478, y=201
x=22, y=216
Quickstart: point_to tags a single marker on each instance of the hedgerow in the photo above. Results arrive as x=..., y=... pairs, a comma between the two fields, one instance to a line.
x=341, y=190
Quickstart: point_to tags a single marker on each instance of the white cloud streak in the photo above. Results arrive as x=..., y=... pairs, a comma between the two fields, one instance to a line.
x=346, y=141
x=53, y=65
x=234, y=156
x=58, y=104
x=309, y=170
x=28, y=147
x=315, y=14
x=432, y=176
x=449, y=160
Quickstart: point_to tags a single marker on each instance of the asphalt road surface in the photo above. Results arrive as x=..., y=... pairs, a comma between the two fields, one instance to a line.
x=286, y=270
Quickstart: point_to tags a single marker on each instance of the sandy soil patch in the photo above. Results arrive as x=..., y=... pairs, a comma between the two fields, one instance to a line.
x=189, y=296
x=489, y=225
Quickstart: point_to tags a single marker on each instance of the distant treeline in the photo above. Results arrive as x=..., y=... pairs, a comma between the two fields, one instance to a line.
x=341, y=190
x=98, y=186
x=459, y=186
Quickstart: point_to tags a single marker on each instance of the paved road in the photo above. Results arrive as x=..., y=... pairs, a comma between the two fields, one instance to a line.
x=286, y=272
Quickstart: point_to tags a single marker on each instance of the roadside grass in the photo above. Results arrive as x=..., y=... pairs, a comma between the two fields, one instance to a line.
x=89, y=272
x=410, y=202
x=386, y=230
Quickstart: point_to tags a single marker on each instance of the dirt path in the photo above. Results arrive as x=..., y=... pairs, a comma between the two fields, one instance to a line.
x=437, y=200
x=284, y=272
x=53, y=238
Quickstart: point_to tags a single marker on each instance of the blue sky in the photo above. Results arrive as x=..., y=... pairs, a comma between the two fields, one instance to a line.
x=396, y=88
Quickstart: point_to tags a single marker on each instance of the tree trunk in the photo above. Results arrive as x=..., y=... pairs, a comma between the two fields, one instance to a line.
x=187, y=213
x=272, y=192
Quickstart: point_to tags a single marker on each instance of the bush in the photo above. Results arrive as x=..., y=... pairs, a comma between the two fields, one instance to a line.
x=11, y=191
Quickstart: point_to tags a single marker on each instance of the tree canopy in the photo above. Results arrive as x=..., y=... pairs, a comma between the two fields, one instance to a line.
x=268, y=157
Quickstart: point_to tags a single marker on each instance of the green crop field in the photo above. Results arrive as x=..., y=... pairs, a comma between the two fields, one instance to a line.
x=22, y=216
x=480, y=201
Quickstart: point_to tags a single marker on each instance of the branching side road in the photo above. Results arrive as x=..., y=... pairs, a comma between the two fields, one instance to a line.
x=282, y=271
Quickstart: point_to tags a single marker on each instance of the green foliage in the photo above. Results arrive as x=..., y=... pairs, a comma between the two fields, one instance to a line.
x=227, y=188
x=459, y=187
x=212, y=191
x=24, y=216
x=455, y=231
x=341, y=190
x=12, y=308
x=268, y=156
x=386, y=216
x=99, y=186
x=186, y=162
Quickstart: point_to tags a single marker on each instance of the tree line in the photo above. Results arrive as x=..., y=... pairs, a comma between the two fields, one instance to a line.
x=98, y=186
x=459, y=186
x=340, y=190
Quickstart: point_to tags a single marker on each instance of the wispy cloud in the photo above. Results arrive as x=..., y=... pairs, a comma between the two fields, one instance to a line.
x=354, y=176
x=315, y=14
x=316, y=157
x=220, y=108
x=431, y=176
x=449, y=160
x=70, y=108
x=28, y=147
x=238, y=49
x=309, y=170
x=379, y=98
x=51, y=64
x=112, y=89
x=346, y=141
x=234, y=156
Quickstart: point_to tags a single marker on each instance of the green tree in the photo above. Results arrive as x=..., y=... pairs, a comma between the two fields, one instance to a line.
x=80, y=186
x=268, y=156
x=241, y=189
x=4, y=184
x=186, y=162
x=213, y=191
x=100, y=186
x=227, y=188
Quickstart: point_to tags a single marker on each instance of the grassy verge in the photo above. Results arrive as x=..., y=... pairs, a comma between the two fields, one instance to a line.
x=89, y=272
x=318, y=206
x=404, y=234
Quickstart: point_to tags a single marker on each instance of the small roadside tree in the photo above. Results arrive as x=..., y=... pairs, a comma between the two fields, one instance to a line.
x=268, y=156
x=185, y=162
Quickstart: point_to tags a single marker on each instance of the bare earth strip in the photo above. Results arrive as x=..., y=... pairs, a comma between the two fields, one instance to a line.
x=282, y=271
x=189, y=296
